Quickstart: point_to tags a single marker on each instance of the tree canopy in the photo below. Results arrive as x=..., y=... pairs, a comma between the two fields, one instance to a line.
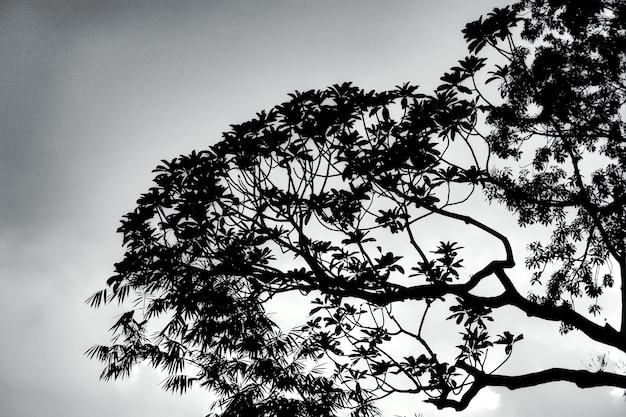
x=329, y=196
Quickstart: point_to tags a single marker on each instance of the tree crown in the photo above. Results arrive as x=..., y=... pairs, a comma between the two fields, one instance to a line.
x=327, y=196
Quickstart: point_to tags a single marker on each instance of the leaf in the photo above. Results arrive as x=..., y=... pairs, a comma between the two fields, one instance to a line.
x=595, y=309
x=97, y=299
x=178, y=383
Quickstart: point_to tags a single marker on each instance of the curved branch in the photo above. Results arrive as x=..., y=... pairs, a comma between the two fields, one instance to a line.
x=509, y=262
x=582, y=379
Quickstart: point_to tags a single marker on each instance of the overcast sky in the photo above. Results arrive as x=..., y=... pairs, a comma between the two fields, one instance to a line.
x=93, y=94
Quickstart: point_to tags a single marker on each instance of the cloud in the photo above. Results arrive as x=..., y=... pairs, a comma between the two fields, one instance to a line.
x=485, y=400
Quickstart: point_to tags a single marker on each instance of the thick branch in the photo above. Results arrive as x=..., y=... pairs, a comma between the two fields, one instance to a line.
x=582, y=379
x=389, y=293
x=604, y=334
x=386, y=293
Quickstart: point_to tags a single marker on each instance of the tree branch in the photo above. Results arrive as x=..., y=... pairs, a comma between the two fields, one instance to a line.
x=582, y=379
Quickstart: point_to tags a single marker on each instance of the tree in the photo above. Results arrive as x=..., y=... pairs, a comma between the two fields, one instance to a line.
x=327, y=195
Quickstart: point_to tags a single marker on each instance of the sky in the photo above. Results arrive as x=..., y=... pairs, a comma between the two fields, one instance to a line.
x=93, y=94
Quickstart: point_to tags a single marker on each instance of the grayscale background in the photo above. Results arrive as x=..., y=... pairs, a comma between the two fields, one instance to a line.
x=94, y=93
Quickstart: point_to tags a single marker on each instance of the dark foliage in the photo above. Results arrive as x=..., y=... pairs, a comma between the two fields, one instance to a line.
x=315, y=196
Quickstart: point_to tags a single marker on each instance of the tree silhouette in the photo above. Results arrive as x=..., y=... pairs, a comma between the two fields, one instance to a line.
x=328, y=196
